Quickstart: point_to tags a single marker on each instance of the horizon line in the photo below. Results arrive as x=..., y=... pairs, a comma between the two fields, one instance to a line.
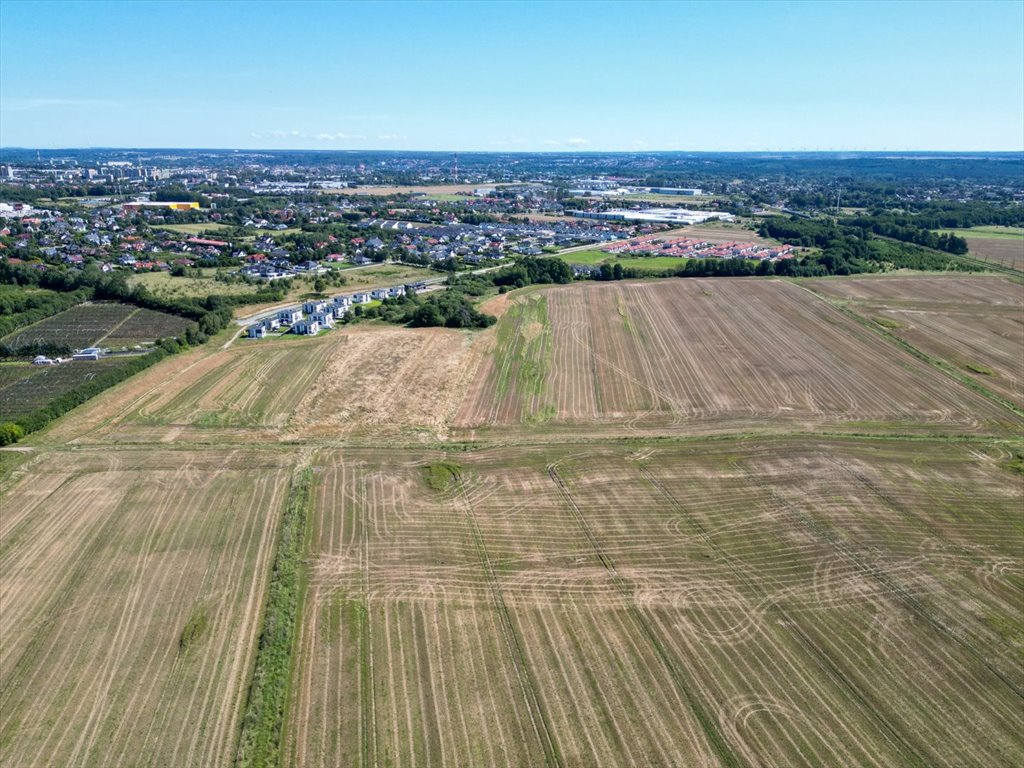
x=548, y=151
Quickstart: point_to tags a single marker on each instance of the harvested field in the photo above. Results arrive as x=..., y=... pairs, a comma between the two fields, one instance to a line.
x=686, y=522
x=997, y=245
x=365, y=383
x=384, y=382
x=716, y=232
x=695, y=356
x=821, y=603
x=1007, y=252
x=248, y=392
x=131, y=586
x=976, y=325
x=924, y=291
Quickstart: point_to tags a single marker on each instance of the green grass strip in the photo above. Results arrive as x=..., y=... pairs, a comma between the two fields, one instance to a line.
x=259, y=745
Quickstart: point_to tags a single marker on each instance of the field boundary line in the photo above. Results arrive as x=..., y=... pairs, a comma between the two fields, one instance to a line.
x=526, y=678
x=909, y=348
x=125, y=320
x=715, y=738
x=261, y=736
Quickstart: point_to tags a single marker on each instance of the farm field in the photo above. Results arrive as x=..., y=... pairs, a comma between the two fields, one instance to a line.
x=698, y=356
x=997, y=245
x=785, y=602
x=978, y=329
x=722, y=232
x=1004, y=251
x=107, y=323
x=25, y=388
x=245, y=393
x=368, y=384
x=682, y=522
x=131, y=585
x=651, y=263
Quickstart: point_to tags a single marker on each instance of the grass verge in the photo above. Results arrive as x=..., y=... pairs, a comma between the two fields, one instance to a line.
x=259, y=745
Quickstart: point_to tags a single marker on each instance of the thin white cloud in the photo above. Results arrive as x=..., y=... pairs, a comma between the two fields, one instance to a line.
x=550, y=143
x=302, y=135
x=576, y=142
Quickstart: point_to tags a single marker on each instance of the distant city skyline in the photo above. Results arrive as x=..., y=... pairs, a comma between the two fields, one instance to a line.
x=474, y=76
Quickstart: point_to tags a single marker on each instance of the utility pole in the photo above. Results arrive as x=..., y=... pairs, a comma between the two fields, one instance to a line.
x=455, y=172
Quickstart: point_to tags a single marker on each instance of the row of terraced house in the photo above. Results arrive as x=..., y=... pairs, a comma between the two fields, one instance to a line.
x=314, y=316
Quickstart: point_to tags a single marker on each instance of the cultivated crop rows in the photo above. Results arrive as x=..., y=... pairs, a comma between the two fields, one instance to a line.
x=697, y=355
x=145, y=325
x=105, y=323
x=26, y=388
x=772, y=603
x=78, y=327
x=131, y=585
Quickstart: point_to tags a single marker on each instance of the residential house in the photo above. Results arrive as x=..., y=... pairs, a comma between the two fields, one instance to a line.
x=307, y=327
x=289, y=316
x=325, y=318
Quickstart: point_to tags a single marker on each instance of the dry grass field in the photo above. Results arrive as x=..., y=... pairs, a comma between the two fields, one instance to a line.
x=131, y=583
x=697, y=356
x=683, y=522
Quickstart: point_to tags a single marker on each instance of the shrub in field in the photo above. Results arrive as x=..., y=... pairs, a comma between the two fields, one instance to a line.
x=10, y=433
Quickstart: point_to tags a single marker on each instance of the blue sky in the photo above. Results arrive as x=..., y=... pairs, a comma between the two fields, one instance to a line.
x=529, y=76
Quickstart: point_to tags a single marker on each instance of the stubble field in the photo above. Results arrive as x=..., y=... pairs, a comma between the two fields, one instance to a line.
x=780, y=602
x=976, y=327
x=700, y=522
x=131, y=583
x=695, y=356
